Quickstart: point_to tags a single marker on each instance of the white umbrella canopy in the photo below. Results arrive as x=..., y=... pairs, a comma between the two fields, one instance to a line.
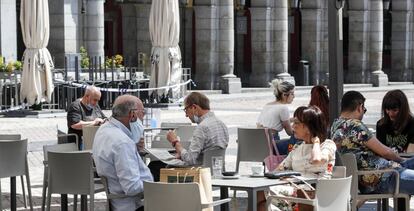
x=164, y=28
x=37, y=83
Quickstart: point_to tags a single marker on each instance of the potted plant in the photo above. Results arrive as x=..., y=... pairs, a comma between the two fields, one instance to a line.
x=115, y=62
x=8, y=68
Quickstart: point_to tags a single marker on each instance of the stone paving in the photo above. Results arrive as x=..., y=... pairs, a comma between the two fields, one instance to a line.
x=236, y=110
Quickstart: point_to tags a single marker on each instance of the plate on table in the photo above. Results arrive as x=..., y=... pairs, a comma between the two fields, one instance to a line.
x=237, y=176
x=256, y=175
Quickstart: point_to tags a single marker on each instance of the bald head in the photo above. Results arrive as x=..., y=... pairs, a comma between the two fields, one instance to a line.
x=124, y=104
x=92, y=95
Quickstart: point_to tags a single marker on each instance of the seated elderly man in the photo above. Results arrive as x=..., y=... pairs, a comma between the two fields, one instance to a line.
x=84, y=111
x=210, y=133
x=115, y=152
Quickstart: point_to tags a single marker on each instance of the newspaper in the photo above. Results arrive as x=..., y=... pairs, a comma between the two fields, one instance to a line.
x=165, y=156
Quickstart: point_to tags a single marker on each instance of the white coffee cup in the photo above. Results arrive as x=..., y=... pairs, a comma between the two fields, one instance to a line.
x=257, y=170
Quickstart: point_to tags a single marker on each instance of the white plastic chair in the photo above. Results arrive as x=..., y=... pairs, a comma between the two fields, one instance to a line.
x=71, y=173
x=89, y=132
x=69, y=147
x=175, y=197
x=350, y=162
x=331, y=194
x=13, y=162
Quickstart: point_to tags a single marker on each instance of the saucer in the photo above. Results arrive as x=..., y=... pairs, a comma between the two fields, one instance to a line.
x=256, y=175
x=237, y=176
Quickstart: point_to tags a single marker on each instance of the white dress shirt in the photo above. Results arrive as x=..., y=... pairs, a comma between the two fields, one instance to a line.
x=116, y=157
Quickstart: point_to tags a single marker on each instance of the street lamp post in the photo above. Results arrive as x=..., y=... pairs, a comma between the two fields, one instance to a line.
x=336, y=79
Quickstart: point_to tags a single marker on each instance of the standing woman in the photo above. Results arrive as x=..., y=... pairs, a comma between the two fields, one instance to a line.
x=275, y=115
x=320, y=98
x=396, y=127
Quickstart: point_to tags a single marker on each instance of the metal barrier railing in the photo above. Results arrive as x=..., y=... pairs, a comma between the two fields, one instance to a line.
x=129, y=80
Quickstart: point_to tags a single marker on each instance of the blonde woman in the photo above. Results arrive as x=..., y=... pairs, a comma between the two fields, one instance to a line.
x=275, y=114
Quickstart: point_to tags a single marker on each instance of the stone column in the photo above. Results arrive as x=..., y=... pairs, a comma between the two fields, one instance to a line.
x=8, y=40
x=95, y=34
x=378, y=77
x=65, y=31
x=315, y=39
x=402, y=32
x=207, y=44
x=262, y=43
x=143, y=39
x=281, y=40
x=186, y=37
x=129, y=32
x=229, y=83
x=358, y=54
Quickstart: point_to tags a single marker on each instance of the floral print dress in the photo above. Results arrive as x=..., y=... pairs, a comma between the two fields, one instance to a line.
x=299, y=159
x=351, y=135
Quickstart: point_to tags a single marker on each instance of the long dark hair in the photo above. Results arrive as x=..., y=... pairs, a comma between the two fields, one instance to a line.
x=320, y=98
x=313, y=118
x=396, y=99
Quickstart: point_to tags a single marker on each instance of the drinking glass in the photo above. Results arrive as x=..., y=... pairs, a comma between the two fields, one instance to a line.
x=217, y=166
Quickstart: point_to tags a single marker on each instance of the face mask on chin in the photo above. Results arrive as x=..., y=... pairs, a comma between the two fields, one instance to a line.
x=89, y=106
x=137, y=130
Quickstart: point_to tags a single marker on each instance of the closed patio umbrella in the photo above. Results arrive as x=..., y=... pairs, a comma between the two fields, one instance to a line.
x=164, y=28
x=37, y=82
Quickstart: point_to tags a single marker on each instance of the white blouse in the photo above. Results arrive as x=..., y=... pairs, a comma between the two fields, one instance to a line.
x=273, y=115
x=299, y=159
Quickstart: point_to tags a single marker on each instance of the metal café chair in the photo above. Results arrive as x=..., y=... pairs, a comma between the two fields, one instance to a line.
x=350, y=162
x=13, y=162
x=207, y=156
x=16, y=137
x=175, y=197
x=89, y=132
x=64, y=167
x=252, y=145
x=110, y=196
x=68, y=147
x=331, y=194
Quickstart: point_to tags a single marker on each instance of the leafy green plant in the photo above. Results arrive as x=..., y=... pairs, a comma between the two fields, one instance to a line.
x=18, y=65
x=116, y=61
x=84, y=57
x=2, y=65
x=10, y=66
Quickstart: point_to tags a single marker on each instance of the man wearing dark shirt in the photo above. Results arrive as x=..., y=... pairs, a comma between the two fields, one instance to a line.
x=85, y=111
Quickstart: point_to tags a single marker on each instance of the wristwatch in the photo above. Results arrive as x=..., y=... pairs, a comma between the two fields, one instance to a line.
x=174, y=142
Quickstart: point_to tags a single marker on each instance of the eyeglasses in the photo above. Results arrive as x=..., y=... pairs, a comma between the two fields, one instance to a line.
x=185, y=109
x=365, y=109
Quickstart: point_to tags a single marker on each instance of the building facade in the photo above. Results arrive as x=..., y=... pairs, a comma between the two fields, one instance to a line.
x=250, y=43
